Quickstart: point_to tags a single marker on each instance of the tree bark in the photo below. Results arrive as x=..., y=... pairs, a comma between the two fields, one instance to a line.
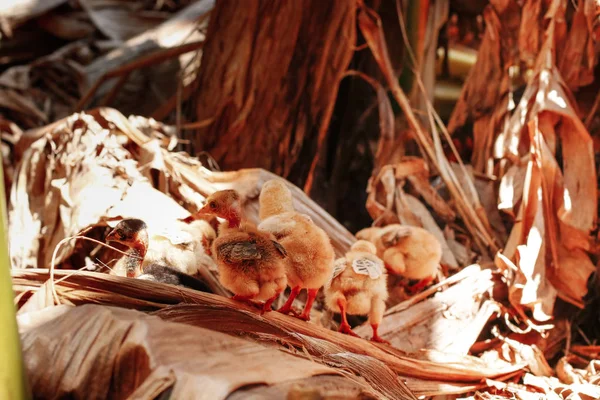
x=269, y=80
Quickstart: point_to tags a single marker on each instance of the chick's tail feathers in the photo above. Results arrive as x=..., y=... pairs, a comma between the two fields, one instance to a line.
x=394, y=261
x=164, y=274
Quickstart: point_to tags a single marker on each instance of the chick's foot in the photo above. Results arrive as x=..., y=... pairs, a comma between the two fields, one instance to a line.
x=267, y=306
x=287, y=307
x=376, y=338
x=419, y=286
x=345, y=328
x=312, y=293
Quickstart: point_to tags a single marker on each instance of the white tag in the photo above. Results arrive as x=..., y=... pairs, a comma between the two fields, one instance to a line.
x=364, y=266
x=175, y=237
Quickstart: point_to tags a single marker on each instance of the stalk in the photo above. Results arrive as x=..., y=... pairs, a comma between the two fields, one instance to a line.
x=12, y=376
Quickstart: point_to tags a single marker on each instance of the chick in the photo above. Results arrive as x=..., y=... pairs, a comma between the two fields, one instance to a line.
x=358, y=287
x=252, y=264
x=408, y=251
x=308, y=246
x=178, y=245
x=133, y=234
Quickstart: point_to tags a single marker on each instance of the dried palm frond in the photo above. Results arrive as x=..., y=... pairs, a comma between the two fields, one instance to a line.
x=117, y=353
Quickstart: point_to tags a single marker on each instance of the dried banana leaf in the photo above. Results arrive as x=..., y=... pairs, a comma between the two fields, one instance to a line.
x=16, y=12
x=559, y=205
x=180, y=29
x=121, y=20
x=217, y=312
x=117, y=353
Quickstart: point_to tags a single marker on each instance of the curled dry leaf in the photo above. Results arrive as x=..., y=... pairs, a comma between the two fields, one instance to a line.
x=555, y=389
x=485, y=98
x=46, y=89
x=558, y=209
x=578, y=57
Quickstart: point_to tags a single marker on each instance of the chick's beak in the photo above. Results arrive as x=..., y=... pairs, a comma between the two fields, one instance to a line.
x=205, y=210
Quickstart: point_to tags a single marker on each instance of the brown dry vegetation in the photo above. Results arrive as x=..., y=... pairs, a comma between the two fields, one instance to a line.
x=493, y=150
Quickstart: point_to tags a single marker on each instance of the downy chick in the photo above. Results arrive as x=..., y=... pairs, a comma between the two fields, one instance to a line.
x=133, y=234
x=164, y=274
x=178, y=245
x=308, y=246
x=252, y=264
x=358, y=287
x=411, y=252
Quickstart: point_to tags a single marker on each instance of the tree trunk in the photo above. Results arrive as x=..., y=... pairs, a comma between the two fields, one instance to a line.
x=269, y=80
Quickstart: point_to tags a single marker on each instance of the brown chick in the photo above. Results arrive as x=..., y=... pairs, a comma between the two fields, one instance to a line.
x=252, y=264
x=133, y=233
x=411, y=252
x=358, y=287
x=308, y=246
x=177, y=245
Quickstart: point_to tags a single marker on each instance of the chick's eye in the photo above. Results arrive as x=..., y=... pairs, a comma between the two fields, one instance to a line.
x=213, y=205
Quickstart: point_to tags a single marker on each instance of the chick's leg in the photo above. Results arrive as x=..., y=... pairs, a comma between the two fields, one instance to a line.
x=344, y=326
x=420, y=285
x=312, y=293
x=375, y=317
x=269, y=302
x=287, y=307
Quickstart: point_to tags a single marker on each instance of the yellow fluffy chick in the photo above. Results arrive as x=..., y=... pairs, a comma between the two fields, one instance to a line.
x=252, y=264
x=358, y=287
x=308, y=246
x=411, y=252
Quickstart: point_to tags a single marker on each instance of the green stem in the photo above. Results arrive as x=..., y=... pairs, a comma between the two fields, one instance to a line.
x=12, y=377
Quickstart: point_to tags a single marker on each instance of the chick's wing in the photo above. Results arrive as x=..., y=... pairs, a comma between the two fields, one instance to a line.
x=338, y=267
x=280, y=249
x=279, y=225
x=239, y=251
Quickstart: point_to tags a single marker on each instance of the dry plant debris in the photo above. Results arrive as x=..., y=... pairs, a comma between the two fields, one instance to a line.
x=523, y=208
